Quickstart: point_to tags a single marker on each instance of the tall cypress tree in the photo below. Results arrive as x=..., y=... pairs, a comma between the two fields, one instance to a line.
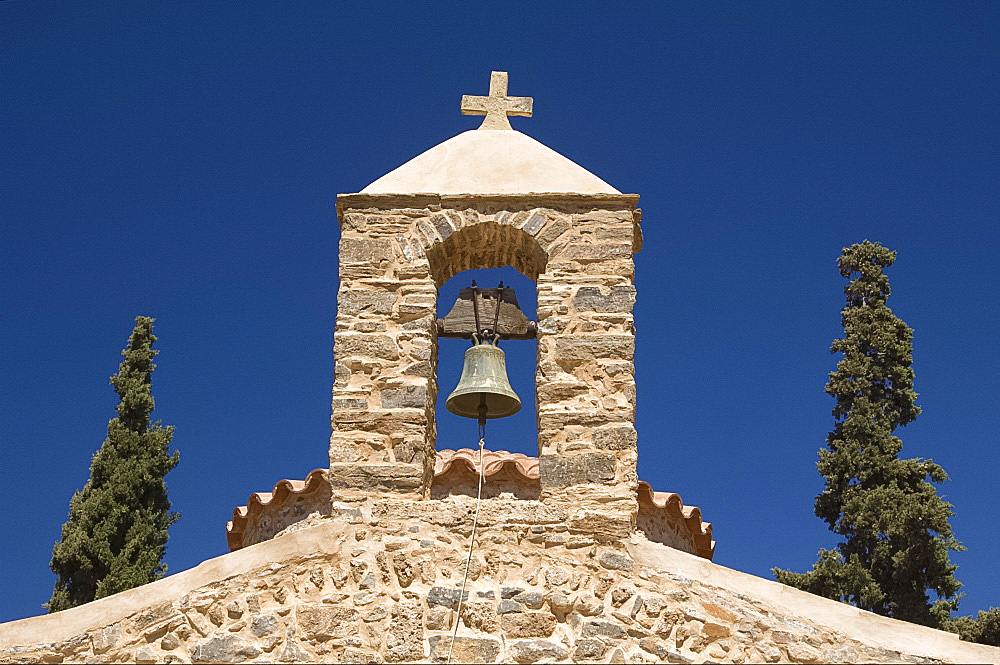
x=894, y=524
x=116, y=534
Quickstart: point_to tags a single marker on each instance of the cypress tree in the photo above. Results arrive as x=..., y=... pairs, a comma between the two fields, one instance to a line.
x=896, y=535
x=116, y=534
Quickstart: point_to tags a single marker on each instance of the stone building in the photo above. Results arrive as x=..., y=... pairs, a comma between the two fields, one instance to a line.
x=574, y=558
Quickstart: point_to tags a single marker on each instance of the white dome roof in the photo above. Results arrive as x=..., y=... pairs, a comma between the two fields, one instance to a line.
x=489, y=162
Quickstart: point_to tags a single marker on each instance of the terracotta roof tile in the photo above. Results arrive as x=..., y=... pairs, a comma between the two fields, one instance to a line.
x=494, y=462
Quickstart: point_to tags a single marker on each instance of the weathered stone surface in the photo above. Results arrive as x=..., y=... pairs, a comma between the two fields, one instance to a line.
x=603, y=629
x=405, y=637
x=224, y=648
x=802, y=653
x=106, y=637
x=294, y=653
x=508, y=606
x=365, y=250
x=564, y=471
x=467, y=649
x=446, y=597
x=589, y=606
x=528, y=624
x=264, y=624
x=410, y=397
x=510, y=591
x=170, y=642
x=589, y=648
x=376, y=477
x=715, y=631
x=589, y=347
x=145, y=655
x=323, y=622
x=615, y=437
x=532, y=651
x=377, y=614
x=556, y=576
x=661, y=651
x=619, y=299
x=620, y=593
x=438, y=618
x=481, y=616
x=373, y=301
x=532, y=599
x=845, y=654
x=616, y=561
x=373, y=346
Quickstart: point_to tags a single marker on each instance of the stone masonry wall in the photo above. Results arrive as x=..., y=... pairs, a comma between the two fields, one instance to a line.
x=395, y=251
x=389, y=591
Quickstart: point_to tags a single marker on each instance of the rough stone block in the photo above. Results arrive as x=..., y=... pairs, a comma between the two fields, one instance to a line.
x=224, y=648
x=528, y=624
x=602, y=525
x=106, y=637
x=408, y=397
x=371, y=301
x=603, y=629
x=600, y=252
x=533, y=224
x=144, y=655
x=556, y=576
x=532, y=651
x=445, y=597
x=366, y=345
x=615, y=437
x=565, y=471
x=443, y=226
x=264, y=624
x=438, y=618
x=365, y=250
x=802, y=653
x=376, y=477
x=467, y=649
x=323, y=622
x=590, y=299
x=405, y=636
x=508, y=606
x=589, y=648
x=661, y=651
x=587, y=347
x=533, y=599
x=616, y=561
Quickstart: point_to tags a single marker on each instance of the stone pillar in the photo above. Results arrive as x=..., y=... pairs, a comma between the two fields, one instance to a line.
x=585, y=374
x=384, y=358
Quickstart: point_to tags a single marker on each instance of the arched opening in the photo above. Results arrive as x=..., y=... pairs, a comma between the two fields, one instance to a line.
x=517, y=433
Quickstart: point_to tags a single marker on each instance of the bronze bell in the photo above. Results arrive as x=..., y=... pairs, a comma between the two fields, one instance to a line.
x=484, y=382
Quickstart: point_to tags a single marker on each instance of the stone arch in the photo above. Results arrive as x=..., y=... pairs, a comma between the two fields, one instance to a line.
x=452, y=241
x=486, y=245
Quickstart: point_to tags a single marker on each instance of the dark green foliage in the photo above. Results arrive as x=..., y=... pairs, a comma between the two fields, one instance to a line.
x=116, y=534
x=985, y=629
x=894, y=524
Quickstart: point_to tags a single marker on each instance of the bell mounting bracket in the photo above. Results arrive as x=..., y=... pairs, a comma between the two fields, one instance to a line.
x=487, y=313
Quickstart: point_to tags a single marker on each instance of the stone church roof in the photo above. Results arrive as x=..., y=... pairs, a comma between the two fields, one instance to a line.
x=490, y=162
x=662, y=515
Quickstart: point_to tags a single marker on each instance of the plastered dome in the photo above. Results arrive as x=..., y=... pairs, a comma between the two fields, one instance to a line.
x=490, y=162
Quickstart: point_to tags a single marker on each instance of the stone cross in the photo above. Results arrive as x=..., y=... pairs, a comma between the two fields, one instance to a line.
x=498, y=105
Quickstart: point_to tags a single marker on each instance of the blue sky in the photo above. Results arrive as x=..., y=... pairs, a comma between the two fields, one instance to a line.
x=181, y=160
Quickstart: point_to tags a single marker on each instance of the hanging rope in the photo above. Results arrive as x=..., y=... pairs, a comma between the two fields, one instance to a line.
x=475, y=521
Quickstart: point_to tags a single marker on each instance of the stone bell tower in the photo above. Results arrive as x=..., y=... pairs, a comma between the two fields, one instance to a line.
x=487, y=198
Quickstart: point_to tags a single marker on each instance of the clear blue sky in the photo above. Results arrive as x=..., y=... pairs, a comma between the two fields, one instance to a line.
x=181, y=160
